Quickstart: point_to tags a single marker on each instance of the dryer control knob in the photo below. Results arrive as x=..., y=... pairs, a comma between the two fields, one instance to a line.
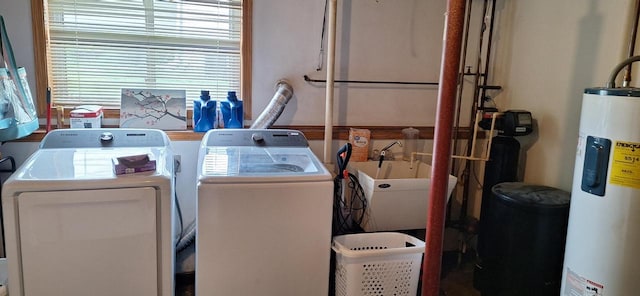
x=258, y=138
x=106, y=137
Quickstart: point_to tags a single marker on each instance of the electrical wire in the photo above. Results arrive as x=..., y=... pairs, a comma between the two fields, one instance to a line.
x=489, y=99
x=178, y=211
x=475, y=177
x=348, y=212
x=473, y=172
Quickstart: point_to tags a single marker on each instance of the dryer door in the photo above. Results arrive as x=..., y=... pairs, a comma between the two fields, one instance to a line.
x=89, y=242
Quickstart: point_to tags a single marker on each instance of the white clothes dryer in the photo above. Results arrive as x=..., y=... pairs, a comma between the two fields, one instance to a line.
x=264, y=206
x=74, y=227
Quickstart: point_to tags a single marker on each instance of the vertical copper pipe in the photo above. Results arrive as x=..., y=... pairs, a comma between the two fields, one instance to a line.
x=450, y=65
x=456, y=124
x=632, y=45
x=466, y=179
x=476, y=92
x=488, y=58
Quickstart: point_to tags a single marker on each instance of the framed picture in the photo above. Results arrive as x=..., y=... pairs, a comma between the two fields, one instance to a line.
x=164, y=109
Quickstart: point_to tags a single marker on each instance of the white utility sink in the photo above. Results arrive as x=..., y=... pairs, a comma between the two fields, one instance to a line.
x=398, y=197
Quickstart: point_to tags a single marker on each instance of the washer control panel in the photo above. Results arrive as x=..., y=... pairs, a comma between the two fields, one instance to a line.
x=256, y=138
x=98, y=138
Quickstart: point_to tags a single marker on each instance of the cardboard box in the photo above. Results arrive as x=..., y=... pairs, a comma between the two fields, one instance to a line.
x=86, y=116
x=359, y=139
x=133, y=164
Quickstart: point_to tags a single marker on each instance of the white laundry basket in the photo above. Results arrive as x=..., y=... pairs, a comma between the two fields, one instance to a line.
x=376, y=264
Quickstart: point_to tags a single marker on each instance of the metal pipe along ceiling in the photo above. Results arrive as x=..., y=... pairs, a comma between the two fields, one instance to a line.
x=449, y=68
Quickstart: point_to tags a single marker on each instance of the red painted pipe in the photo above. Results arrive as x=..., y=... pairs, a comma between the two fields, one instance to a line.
x=442, y=146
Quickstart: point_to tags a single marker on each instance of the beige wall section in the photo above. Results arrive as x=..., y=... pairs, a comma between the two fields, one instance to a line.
x=547, y=53
x=376, y=40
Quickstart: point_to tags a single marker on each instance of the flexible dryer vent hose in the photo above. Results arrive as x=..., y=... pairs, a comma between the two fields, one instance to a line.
x=188, y=238
x=283, y=94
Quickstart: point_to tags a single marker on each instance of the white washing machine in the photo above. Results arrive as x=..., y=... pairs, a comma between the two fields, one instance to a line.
x=264, y=206
x=75, y=228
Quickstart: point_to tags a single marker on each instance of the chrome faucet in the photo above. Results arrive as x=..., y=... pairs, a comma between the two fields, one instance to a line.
x=377, y=154
x=382, y=155
x=384, y=150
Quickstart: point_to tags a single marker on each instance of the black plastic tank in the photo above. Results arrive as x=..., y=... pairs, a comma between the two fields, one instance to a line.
x=523, y=239
x=501, y=167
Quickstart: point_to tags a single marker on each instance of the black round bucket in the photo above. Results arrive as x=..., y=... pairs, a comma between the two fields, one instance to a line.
x=523, y=237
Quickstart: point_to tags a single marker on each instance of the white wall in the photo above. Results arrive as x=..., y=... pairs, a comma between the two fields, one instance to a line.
x=545, y=53
x=376, y=40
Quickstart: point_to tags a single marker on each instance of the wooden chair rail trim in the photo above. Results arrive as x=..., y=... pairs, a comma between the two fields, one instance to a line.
x=312, y=132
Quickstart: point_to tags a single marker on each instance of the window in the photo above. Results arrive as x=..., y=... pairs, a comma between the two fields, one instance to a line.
x=93, y=48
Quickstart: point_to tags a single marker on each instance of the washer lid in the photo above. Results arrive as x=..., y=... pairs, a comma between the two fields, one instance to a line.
x=82, y=164
x=260, y=162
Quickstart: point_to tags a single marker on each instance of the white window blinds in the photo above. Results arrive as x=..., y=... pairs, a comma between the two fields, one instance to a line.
x=97, y=47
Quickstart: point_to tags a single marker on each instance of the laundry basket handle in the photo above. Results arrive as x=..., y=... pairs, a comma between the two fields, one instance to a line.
x=418, y=247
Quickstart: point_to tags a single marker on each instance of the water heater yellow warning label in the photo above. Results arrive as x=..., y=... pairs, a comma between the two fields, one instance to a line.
x=625, y=166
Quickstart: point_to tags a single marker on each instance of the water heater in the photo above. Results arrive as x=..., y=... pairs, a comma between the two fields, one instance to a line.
x=603, y=236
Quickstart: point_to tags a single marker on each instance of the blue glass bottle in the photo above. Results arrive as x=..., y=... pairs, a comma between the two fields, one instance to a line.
x=237, y=115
